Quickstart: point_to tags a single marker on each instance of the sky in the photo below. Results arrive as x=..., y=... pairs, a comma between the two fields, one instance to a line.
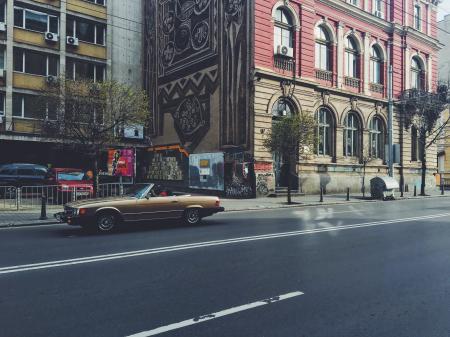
x=443, y=9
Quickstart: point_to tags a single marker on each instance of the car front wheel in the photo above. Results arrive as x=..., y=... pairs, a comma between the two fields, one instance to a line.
x=192, y=216
x=107, y=222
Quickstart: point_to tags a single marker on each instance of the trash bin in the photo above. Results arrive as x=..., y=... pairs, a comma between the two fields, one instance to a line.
x=383, y=188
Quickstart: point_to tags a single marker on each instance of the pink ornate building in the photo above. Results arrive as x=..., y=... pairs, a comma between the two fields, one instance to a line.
x=338, y=53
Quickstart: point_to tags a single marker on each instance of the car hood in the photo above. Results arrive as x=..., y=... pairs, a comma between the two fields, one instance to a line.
x=96, y=202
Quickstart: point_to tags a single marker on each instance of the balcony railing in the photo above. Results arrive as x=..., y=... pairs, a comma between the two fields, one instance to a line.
x=378, y=88
x=324, y=75
x=284, y=63
x=352, y=82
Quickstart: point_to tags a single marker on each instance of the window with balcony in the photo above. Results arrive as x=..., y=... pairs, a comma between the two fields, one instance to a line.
x=352, y=135
x=35, y=21
x=353, y=2
x=86, y=30
x=377, y=138
x=325, y=132
x=417, y=74
x=376, y=70
x=35, y=63
x=417, y=17
x=82, y=70
x=283, y=38
x=323, y=63
x=351, y=63
x=378, y=8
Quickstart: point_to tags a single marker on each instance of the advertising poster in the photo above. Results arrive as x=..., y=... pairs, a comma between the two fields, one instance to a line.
x=206, y=171
x=121, y=162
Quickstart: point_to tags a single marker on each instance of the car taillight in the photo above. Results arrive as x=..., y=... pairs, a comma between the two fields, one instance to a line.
x=82, y=211
x=217, y=202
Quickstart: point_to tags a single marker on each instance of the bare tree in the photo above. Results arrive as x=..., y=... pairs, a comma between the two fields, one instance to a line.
x=422, y=110
x=291, y=137
x=90, y=117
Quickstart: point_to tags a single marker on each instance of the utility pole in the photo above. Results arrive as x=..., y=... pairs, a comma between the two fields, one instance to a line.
x=390, y=112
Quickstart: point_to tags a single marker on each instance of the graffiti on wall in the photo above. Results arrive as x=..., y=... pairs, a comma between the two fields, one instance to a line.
x=239, y=174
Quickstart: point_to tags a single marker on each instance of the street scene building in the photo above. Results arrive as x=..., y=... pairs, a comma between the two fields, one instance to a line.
x=44, y=39
x=221, y=72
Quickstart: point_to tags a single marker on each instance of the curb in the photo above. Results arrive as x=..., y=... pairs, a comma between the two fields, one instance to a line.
x=28, y=224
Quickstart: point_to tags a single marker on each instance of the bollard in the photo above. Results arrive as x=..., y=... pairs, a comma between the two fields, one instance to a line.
x=442, y=189
x=348, y=194
x=43, y=208
x=415, y=190
x=406, y=188
x=321, y=194
x=401, y=190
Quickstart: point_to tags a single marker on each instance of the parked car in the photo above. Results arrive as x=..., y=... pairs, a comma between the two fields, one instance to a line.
x=67, y=181
x=19, y=175
x=142, y=202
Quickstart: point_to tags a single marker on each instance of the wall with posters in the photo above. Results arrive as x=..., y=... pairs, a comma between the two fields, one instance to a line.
x=206, y=171
x=167, y=163
x=265, y=179
x=121, y=162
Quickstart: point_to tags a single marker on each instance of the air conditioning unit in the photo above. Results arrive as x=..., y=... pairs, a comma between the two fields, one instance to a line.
x=1, y=117
x=285, y=51
x=379, y=14
x=72, y=41
x=2, y=73
x=51, y=80
x=2, y=27
x=52, y=37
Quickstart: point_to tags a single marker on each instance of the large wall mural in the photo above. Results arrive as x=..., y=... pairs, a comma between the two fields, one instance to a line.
x=201, y=55
x=235, y=79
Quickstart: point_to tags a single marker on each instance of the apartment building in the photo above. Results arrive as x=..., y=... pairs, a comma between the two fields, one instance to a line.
x=43, y=39
x=224, y=71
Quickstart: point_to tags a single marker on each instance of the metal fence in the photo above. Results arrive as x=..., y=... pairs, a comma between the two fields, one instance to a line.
x=30, y=197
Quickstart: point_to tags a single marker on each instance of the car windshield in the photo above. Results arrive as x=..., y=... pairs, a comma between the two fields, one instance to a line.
x=138, y=190
x=71, y=176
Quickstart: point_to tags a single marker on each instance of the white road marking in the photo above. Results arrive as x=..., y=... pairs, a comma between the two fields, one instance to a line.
x=161, y=250
x=218, y=314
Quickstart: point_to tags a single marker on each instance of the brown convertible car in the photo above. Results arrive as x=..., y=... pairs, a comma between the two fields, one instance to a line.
x=142, y=202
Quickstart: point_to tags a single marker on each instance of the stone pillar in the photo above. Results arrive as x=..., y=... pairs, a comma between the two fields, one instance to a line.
x=9, y=64
x=109, y=46
x=339, y=142
x=407, y=68
x=407, y=12
x=366, y=61
x=340, y=54
x=428, y=29
x=430, y=73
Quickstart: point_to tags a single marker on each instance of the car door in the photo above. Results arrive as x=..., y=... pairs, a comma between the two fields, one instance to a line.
x=155, y=208
x=8, y=176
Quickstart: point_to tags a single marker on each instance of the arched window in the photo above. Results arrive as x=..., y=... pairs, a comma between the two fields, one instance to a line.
x=417, y=72
x=284, y=29
x=325, y=132
x=351, y=58
x=377, y=138
x=283, y=107
x=323, y=49
x=376, y=65
x=351, y=135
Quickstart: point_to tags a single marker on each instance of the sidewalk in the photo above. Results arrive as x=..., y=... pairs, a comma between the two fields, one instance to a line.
x=31, y=217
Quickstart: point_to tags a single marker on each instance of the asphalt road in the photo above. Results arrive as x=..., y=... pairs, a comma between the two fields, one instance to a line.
x=365, y=270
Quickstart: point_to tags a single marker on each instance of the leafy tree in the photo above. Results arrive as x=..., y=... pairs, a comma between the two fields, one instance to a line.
x=422, y=110
x=291, y=137
x=90, y=116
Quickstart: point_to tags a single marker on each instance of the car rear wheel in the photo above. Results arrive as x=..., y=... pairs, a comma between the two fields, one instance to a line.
x=107, y=222
x=192, y=216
